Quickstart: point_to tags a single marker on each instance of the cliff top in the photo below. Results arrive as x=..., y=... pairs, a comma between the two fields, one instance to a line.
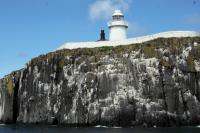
x=148, y=49
x=169, y=34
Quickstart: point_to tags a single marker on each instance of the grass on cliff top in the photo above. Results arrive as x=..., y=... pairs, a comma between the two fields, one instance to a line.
x=148, y=48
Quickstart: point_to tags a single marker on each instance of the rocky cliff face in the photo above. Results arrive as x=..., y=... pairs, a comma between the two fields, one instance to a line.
x=152, y=83
x=8, y=97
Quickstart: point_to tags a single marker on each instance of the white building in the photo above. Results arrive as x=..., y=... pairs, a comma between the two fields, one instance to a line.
x=118, y=27
x=118, y=35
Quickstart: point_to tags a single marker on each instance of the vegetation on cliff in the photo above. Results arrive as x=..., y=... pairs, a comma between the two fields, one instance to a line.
x=148, y=49
x=10, y=85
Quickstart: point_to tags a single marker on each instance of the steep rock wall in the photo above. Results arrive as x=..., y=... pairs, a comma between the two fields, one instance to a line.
x=8, y=97
x=153, y=83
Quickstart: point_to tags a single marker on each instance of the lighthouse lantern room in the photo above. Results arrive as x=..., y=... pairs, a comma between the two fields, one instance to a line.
x=118, y=26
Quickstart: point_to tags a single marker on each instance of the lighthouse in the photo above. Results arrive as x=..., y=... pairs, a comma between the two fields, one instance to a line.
x=118, y=26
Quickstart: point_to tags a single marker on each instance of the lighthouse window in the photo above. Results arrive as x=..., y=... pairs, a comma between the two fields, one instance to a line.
x=114, y=17
x=118, y=17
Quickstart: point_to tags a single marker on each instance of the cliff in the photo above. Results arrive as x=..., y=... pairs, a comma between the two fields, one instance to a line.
x=150, y=83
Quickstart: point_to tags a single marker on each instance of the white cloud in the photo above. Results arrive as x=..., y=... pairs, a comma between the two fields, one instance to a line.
x=103, y=9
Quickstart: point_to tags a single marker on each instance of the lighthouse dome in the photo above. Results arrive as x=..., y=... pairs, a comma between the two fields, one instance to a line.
x=118, y=13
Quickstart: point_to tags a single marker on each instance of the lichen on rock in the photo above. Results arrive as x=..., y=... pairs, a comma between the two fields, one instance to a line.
x=9, y=87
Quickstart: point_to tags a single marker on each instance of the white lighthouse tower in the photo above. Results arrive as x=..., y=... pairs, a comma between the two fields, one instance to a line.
x=118, y=27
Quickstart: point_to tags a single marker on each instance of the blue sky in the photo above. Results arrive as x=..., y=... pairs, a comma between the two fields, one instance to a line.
x=29, y=28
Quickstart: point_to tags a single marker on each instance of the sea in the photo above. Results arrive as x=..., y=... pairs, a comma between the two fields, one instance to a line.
x=58, y=129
